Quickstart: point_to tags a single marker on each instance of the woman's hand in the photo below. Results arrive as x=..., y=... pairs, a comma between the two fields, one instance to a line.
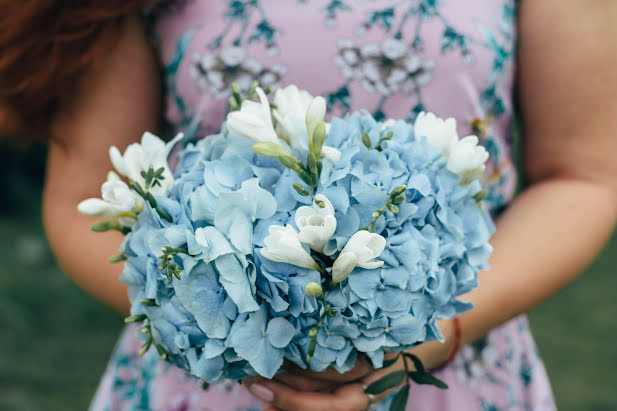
x=311, y=391
x=287, y=392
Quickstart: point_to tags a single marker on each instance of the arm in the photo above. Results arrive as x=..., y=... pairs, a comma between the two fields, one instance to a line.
x=114, y=105
x=548, y=235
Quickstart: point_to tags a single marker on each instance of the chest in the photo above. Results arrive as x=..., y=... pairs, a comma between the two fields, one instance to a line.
x=391, y=57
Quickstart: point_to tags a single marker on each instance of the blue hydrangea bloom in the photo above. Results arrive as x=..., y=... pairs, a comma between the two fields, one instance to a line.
x=234, y=313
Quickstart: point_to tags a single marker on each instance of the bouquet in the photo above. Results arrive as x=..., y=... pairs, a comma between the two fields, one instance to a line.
x=287, y=239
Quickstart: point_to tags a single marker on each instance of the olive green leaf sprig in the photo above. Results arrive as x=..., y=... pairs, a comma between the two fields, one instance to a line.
x=167, y=264
x=419, y=375
x=395, y=198
x=236, y=99
x=152, y=178
x=315, y=290
x=147, y=330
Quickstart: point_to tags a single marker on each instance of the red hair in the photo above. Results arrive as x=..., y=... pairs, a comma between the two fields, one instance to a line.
x=45, y=45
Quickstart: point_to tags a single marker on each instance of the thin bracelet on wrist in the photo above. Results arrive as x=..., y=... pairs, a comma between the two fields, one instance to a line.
x=457, y=345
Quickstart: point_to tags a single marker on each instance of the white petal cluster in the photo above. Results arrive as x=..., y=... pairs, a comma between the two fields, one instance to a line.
x=296, y=111
x=360, y=251
x=438, y=132
x=468, y=159
x=253, y=120
x=283, y=246
x=317, y=225
x=118, y=200
x=465, y=156
x=291, y=107
x=151, y=152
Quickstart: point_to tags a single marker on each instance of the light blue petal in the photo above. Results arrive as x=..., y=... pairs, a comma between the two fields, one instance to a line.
x=200, y=294
x=364, y=282
x=407, y=330
x=203, y=204
x=269, y=361
x=213, y=348
x=280, y=332
x=236, y=282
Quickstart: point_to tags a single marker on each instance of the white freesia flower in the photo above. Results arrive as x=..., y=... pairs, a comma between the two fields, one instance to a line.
x=366, y=247
x=316, y=224
x=253, y=120
x=467, y=159
x=343, y=266
x=138, y=157
x=291, y=107
x=315, y=114
x=118, y=200
x=283, y=245
x=297, y=114
x=438, y=132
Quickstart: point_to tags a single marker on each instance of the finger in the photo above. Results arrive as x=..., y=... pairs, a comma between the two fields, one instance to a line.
x=360, y=370
x=302, y=383
x=347, y=398
x=371, y=378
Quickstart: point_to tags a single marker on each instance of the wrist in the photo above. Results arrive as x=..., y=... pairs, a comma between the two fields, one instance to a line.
x=436, y=354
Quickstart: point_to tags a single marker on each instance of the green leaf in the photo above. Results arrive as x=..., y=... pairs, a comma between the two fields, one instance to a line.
x=319, y=136
x=312, y=163
x=300, y=190
x=135, y=318
x=425, y=378
x=398, y=190
x=311, y=349
x=398, y=199
x=107, y=225
x=146, y=346
x=417, y=363
x=480, y=195
x=268, y=149
x=366, y=140
x=386, y=383
x=390, y=362
x=291, y=163
x=233, y=104
x=399, y=403
x=305, y=177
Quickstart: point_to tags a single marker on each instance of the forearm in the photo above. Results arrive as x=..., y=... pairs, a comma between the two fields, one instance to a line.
x=83, y=254
x=549, y=234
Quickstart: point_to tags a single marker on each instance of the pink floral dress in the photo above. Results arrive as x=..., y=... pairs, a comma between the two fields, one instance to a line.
x=393, y=58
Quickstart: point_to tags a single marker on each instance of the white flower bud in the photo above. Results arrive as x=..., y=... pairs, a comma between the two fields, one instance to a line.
x=468, y=159
x=315, y=115
x=343, y=266
x=439, y=133
x=366, y=247
x=253, y=120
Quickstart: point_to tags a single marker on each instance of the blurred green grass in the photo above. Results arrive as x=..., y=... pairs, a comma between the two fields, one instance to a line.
x=55, y=339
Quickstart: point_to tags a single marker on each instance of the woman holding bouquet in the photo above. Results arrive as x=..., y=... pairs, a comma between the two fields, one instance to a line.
x=87, y=76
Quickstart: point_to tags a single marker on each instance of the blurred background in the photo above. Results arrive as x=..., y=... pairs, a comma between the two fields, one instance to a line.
x=55, y=340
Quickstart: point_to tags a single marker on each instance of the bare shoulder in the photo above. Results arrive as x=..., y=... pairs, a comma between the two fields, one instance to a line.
x=568, y=88
x=115, y=103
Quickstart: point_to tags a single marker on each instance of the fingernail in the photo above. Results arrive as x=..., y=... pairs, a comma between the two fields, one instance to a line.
x=261, y=392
